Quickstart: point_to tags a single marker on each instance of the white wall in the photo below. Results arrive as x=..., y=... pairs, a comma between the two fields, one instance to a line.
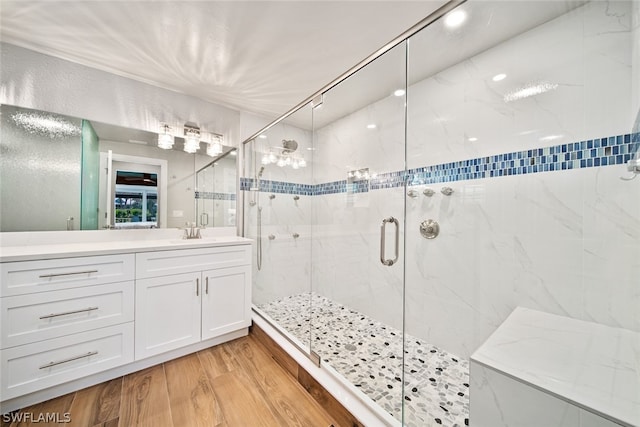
x=34, y=80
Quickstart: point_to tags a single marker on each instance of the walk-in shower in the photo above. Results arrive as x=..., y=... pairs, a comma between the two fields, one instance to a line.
x=497, y=146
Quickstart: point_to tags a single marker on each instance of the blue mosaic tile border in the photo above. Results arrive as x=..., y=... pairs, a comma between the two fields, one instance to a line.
x=388, y=180
x=278, y=187
x=215, y=196
x=360, y=186
x=330, y=188
x=598, y=152
x=613, y=150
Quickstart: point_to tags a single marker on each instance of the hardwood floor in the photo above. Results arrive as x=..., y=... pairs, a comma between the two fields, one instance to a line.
x=233, y=384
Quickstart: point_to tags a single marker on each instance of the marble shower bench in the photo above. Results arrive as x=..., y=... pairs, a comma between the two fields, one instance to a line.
x=540, y=369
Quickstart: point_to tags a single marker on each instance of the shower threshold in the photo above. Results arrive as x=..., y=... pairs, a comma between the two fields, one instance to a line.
x=368, y=354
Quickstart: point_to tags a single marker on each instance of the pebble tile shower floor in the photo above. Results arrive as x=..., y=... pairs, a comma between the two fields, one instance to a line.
x=369, y=355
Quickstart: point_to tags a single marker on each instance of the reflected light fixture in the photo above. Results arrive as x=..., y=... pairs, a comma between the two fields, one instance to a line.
x=530, y=89
x=165, y=139
x=550, y=137
x=46, y=124
x=191, y=139
x=499, y=77
x=455, y=19
x=472, y=139
x=399, y=92
x=371, y=126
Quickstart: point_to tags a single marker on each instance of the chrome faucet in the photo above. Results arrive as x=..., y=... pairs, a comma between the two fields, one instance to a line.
x=192, y=231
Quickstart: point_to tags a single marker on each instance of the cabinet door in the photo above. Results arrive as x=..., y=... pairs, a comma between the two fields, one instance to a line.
x=167, y=313
x=226, y=300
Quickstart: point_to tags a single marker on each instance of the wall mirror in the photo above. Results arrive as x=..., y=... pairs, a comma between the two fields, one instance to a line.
x=65, y=173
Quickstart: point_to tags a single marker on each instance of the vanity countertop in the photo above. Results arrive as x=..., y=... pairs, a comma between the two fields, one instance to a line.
x=52, y=245
x=593, y=366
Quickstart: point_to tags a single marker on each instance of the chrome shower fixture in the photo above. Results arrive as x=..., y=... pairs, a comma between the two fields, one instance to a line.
x=289, y=146
x=447, y=191
x=285, y=158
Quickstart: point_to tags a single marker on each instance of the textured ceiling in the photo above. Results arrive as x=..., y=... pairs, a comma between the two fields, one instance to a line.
x=259, y=56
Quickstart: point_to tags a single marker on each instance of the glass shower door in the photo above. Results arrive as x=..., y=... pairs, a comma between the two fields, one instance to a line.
x=278, y=197
x=358, y=219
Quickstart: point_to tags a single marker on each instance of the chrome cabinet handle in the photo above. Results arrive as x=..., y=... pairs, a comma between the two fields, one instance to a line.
x=66, y=313
x=197, y=287
x=206, y=285
x=383, y=260
x=71, y=359
x=44, y=276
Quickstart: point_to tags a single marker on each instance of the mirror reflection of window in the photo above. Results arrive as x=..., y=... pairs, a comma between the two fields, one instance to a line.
x=136, y=199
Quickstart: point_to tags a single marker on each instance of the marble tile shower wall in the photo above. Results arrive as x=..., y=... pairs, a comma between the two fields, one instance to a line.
x=286, y=260
x=538, y=217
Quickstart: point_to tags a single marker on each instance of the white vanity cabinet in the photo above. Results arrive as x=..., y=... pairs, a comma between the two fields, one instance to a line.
x=64, y=319
x=81, y=313
x=190, y=295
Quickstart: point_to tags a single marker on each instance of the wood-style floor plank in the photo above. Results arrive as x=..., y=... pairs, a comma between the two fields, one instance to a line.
x=58, y=407
x=145, y=401
x=111, y=423
x=192, y=401
x=96, y=405
x=277, y=388
x=241, y=403
x=217, y=360
x=238, y=383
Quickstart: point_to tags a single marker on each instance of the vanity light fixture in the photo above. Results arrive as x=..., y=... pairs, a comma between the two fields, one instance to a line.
x=214, y=147
x=191, y=139
x=165, y=138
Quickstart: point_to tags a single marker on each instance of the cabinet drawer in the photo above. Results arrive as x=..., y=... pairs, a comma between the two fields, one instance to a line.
x=37, y=276
x=36, y=317
x=163, y=263
x=36, y=366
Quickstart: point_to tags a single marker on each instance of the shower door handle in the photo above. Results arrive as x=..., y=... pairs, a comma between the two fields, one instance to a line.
x=383, y=227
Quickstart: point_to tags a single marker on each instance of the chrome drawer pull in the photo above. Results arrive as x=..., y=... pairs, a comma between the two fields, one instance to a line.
x=45, y=276
x=71, y=359
x=48, y=316
x=207, y=288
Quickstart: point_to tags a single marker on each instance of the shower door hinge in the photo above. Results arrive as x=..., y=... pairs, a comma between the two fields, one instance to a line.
x=315, y=357
x=317, y=101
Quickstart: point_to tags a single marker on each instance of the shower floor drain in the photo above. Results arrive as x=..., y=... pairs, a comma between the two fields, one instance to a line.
x=369, y=355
